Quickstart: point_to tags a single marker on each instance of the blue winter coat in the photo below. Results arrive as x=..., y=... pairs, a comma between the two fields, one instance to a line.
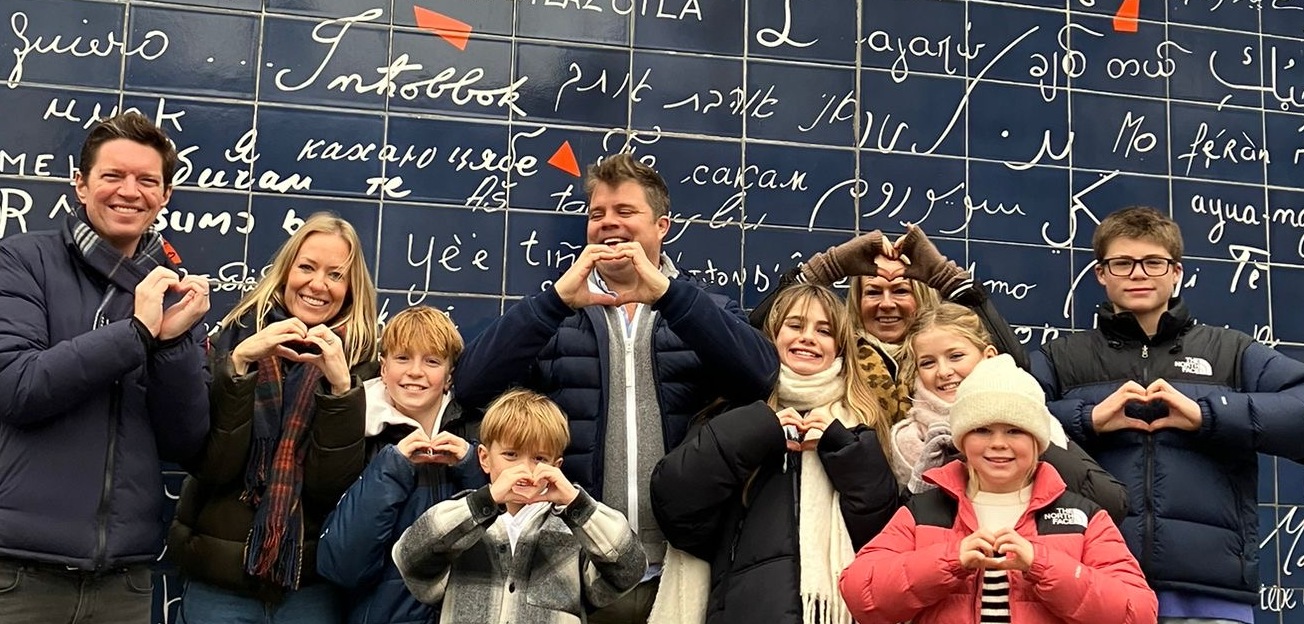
x=703, y=348
x=1189, y=492
x=354, y=549
x=85, y=414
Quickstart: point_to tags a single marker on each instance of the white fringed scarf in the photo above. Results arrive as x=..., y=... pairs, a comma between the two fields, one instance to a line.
x=823, y=544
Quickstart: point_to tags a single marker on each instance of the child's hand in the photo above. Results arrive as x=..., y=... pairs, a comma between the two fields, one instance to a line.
x=445, y=448
x=515, y=485
x=816, y=421
x=794, y=427
x=448, y=449
x=976, y=550
x=558, y=489
x=1017, y=551
x=1183, y=413
x=1109, y=414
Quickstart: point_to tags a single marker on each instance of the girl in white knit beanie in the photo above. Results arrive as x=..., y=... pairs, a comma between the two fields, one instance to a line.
x=1001, y=539
x=946, y=343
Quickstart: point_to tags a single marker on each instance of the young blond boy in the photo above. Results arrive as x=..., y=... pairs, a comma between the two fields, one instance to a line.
x=418, y=455
x=528, y=547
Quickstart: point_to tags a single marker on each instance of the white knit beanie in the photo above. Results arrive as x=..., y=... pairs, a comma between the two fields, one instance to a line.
x=998, y=391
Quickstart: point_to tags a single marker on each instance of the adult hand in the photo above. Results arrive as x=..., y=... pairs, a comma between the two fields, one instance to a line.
x=267, y=342
x=1183, y=413
x=924, y=263
x=854, y=257
x=149, y=298
x=332, y=362
x=1108, y=415
x=649, y=284
x=181, y=316
x=555, y=487
x=573, y=286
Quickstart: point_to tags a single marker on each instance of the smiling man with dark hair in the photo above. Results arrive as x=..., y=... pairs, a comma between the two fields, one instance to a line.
x=102, y=365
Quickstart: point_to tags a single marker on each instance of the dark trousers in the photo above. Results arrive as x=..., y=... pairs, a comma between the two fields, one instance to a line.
x=40, y=593
x=632, y=608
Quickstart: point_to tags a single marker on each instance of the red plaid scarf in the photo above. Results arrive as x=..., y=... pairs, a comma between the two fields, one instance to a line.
x=274, y=476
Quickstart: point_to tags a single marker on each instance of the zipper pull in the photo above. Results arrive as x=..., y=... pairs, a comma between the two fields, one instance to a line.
x=1145, y=351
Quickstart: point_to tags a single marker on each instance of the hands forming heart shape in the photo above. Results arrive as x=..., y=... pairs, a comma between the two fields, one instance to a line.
x=1147, y=408
x=1004, y=549
x=803, y=433
x=631, y=275
x=445, y=448
x=522, y=485
x=531, y=488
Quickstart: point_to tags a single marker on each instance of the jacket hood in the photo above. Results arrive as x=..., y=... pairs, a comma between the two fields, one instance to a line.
x=381, y=412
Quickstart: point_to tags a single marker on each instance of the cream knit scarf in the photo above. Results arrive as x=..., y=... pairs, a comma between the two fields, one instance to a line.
x=823, y=544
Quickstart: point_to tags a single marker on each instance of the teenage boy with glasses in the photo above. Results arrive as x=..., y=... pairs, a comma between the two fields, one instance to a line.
x=1176, y=411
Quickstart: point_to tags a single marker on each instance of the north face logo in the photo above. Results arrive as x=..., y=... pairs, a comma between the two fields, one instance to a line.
x=1194, y=366
x=1067, y=516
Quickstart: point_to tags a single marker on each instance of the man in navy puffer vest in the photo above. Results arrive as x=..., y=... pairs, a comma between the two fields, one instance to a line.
x=630, y=348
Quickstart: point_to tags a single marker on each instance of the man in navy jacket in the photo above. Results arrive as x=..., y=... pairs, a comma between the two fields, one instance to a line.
x=630, y=349
x=101, y=375
x=1177, y=411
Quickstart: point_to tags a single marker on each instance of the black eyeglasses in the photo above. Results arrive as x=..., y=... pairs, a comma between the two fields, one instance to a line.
x=1152, y=266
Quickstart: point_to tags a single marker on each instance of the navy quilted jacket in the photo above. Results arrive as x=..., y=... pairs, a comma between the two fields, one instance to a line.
x=85, y=414
x=703, y=348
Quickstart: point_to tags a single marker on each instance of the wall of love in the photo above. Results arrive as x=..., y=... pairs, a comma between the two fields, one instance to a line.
x=454, y=133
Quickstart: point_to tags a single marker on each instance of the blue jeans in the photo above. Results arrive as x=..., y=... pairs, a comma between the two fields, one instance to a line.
x=205, y=604
x=37, y=593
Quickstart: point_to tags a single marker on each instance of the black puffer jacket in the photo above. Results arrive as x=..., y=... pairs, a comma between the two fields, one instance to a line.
x=85, y=414
x=1189, y=491
x=723, y=496
x=207, y=539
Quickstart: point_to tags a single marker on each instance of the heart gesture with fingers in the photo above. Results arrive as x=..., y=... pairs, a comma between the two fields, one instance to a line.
x=1149, y=408
x=518, y=477
x=178, y=318
x=646, y=283
x=1179, y=411
x=803, y=433
x=1003, y=549
x=444, y=449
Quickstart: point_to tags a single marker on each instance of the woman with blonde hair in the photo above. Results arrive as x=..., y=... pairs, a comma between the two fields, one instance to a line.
x=288, y=415
x=891, y=282
x=777, y=496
